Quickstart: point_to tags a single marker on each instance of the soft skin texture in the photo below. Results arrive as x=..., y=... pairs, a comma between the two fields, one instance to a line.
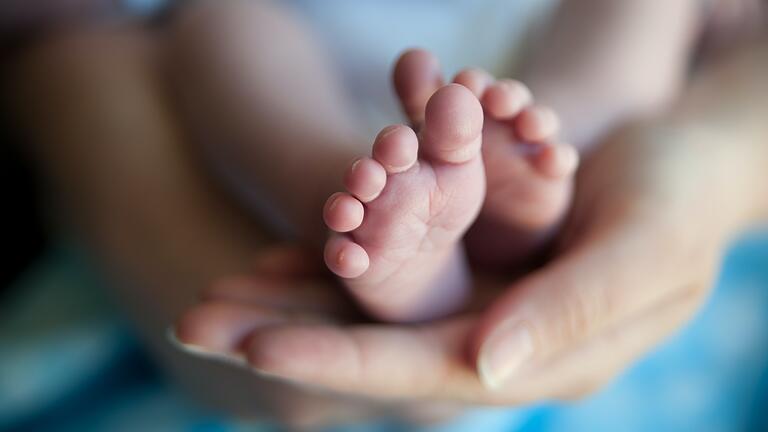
x=528, y=170
x=400, y=256
x=575, y=307
x=403, y=258
x=400, y=253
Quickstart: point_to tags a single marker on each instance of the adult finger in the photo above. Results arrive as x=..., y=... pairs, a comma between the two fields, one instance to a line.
x=288, y=261
x=607, y=279
x=586, y=368
x=285, y=277
x=222, y=326
x=308, y=295
x=429, y=362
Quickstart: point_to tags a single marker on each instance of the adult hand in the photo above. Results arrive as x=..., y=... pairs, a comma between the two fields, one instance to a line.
x=636, y=260
x=638, y=257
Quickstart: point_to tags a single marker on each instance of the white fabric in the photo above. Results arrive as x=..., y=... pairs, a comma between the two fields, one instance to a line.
x=365, y=37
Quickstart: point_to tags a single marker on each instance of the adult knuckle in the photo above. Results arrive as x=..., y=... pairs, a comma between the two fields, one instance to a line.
x=582, y=311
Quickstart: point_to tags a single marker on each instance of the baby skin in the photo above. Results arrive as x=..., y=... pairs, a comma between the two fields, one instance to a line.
x=479, y=153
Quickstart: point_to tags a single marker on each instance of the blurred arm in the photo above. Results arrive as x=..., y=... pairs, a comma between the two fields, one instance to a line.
x=123, y=181
x=602, y=62
x=18, y=15
x=260, y=91
x=726, y=103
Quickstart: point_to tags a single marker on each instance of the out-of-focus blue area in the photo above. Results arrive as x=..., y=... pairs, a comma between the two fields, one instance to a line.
x=142, y=7
x=67, y=363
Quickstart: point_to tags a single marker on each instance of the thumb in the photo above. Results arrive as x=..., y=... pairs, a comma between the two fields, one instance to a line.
x=568, y=302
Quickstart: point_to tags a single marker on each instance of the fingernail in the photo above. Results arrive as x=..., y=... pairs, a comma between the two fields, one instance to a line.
x=203, y=352
x=504, y=353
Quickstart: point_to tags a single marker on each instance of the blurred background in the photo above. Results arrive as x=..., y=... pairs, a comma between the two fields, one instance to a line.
x=21, y=224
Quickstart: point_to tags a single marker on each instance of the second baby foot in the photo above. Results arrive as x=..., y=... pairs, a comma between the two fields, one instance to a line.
x=529, y=172
x=406, y=209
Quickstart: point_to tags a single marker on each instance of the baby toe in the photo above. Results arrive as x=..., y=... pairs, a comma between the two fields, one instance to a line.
x=557, y=161
x=506, y=98
x=396, y=148
x=365, y=179
x=476, y=80
x=537, y=124
x=343, y=212
x=345, y=258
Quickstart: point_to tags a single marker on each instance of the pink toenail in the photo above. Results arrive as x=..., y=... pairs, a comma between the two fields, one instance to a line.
x=334, y=203
x=389, y=130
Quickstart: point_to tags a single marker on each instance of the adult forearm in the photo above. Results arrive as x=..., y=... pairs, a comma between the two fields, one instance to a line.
x=273, y=116
x=709, y=152
x=126, y=184
x=118, y=170
x=603, y=62
x=726, y=101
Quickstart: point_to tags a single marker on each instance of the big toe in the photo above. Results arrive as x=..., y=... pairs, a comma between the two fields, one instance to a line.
x=453, y=125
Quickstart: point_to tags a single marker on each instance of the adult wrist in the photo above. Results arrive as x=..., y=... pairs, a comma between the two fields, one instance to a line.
x=714, y=174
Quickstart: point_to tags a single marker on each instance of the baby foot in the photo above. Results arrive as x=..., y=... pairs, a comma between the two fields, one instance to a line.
x=406, y=209
x=529, y=173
